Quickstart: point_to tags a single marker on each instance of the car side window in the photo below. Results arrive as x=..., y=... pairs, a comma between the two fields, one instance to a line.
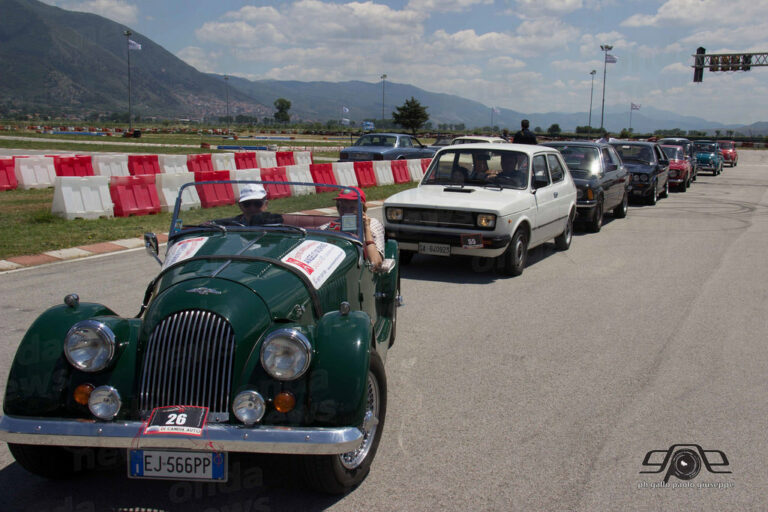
x=405, y=142
x=660, y=156
x=540, y=172
x=555, y=168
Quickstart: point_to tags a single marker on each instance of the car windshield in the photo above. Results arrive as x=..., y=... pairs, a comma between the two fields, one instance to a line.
x=706, y=147
x=726, y=145
x=581, y=158
x=673, y=152
x=479, y=167
x=339, y=218
x=388, y=141
x=636, y=153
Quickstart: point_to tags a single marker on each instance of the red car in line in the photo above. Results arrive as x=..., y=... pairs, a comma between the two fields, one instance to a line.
x=730, y=156
x=680, y=172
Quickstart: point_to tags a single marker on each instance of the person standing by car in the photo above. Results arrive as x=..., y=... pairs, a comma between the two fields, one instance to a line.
x=524, y=136
x=346, y=204
x=253, y=203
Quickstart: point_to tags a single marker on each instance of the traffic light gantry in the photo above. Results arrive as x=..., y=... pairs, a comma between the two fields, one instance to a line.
x=725, y=62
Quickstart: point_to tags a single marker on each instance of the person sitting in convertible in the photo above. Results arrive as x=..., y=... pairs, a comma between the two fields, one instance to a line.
x=346, y=204
x=253, y=205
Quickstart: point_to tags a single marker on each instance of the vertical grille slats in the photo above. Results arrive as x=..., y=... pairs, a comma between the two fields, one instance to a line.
x=188, y=361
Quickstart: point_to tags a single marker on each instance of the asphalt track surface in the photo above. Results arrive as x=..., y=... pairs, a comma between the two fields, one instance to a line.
x=540, y=392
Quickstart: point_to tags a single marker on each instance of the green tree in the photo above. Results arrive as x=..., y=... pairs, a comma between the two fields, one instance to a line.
x=411, y=115
x=537, y=129
x=283, y=106
x=554, y=129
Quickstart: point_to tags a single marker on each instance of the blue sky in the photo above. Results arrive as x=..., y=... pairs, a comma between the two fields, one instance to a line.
x=528, y=55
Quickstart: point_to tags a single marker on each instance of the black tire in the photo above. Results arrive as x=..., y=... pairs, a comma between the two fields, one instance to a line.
x=665, y=192
x=654, y=197
x=52, y=462
x=596, y=222
x=327, y=473
x=684, y=186
x=563, y=241
x=516, y=255
x=393, y=332
x=621, y=211
x=406, y=257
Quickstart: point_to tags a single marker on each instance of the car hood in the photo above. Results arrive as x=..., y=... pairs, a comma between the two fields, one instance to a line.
x=638, y=167
x=267, y=265
x=479, y=199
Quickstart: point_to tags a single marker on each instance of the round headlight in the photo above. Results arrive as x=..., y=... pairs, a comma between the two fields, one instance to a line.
x=248, y=407
x=286, y=354
x=644, y=178
x=89, y=346
x=104, y=402
x=394, y=214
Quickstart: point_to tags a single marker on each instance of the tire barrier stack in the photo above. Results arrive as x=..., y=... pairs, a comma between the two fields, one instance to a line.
x=109, y=184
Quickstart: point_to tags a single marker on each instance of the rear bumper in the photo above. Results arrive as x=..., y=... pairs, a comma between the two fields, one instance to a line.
x=216, y=437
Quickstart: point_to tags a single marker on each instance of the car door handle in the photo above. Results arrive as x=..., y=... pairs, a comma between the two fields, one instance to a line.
x=555, y=194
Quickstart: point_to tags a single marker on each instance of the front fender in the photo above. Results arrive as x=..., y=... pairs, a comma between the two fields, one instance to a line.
x=40, y=373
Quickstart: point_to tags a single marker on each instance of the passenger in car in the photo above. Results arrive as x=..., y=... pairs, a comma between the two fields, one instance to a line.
x=373, y=230
x=514, y=168
x=253, y=203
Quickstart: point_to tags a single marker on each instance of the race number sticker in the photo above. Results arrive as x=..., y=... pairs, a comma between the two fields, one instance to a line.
x=473, y=241
x=316, y=260
x=186, y=420
x=183, y=250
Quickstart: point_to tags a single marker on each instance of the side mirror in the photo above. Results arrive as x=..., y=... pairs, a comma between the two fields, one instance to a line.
x=152, y=246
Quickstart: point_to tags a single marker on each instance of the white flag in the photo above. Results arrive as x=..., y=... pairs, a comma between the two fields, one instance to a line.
x=344, y=109
x=610, y=59
x=496, y=110
x=133, y=45
x=634, y=107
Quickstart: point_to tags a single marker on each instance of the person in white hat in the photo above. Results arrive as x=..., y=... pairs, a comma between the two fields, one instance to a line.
x=253, y=203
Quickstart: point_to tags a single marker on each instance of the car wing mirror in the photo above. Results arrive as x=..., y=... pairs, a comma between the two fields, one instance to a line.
x=152, y=246
x=386, y=266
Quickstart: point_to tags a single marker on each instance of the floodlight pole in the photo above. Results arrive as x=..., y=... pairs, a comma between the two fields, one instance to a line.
x=606, y=48
x=226, y=82
x=591, y=93
x=383, y=80
x=128, y=34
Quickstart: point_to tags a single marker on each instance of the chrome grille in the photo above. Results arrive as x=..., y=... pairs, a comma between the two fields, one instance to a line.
x=188, y=361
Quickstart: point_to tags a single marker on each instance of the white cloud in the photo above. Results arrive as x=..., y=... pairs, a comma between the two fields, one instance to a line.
x=445, y=5
x=556, y=7
x=116, y=10
x=705, y=13
x=506, y=63
x=197, y=58
x=578, y=66
x=677, y=67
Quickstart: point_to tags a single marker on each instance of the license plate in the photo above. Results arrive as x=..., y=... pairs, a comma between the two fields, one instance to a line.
x=637, y=192
x=474, y=241
x=434, y=249
x=177, y=465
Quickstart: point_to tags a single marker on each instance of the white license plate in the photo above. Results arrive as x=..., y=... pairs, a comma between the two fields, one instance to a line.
x=177, y=465
x=434, y=249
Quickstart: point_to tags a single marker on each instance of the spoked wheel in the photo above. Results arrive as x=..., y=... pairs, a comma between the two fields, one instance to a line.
x=337, y=474
x=621, y=211
x=516, y=255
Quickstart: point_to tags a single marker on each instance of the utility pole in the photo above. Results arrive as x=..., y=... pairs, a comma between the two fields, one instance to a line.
x=128, y=34
x=606, y=48
x=591, y=92
x=383, y=80
x=226, y=82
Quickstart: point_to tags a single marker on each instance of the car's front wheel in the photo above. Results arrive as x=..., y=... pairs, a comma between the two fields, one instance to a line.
x=596, y=222
x=654, y=197
x=337, y=474
x=665, y=192
x=516, y=255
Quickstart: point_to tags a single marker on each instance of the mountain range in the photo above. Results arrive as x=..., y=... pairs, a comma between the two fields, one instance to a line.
x=55, y=59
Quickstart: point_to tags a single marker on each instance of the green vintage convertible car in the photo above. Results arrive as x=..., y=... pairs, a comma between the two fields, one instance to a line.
x=251, y=339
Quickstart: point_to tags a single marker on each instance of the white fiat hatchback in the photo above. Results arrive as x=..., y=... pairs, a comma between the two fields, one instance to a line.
x=486, y=200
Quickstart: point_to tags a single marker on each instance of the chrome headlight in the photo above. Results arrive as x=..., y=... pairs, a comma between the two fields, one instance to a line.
x=104, y=402
x=394, y=214
x=486, y=220
x=248, y=407
x=89, y=346
x=286, y=354
x=644, y=178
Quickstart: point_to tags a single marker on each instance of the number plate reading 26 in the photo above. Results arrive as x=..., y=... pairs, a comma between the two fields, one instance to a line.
x=176, y=465
x=434, y=249
x=177, y=419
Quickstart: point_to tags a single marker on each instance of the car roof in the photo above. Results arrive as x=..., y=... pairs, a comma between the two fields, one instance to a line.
x=389, y=134
x=481, y=138
x=588, y=143
x=632, y=143
x=507, y=146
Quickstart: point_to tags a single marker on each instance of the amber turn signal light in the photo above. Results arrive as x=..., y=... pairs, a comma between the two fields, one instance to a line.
x=285, y=401
x=82, y=393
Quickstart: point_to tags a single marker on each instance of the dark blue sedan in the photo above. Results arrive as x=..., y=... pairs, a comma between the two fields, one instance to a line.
x=385, y=146
x=649, y=167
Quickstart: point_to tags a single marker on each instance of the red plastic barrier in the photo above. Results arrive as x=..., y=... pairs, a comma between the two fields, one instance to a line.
x=246, y=160
x=79, y=165
x=200, y=163
x=400, y=171
x=134, y=195
x=425, y=163
x=365, y=175
x=214, y=194
x=143, y=164
x=323, y=173
x=7, y=174
x=285, y=158
x=275, y=174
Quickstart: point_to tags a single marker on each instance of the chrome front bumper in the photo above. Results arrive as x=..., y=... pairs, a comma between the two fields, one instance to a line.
x=216, y=437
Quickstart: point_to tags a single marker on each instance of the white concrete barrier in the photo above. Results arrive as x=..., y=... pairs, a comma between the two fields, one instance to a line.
x=76, y=197
x=35, y=172
x=383, y=171
x=266, y=159
x=302, y=157
x=415, y=170
x=173, y=164
x=299, y=173
x=168, y=186
x=243, y=174
x=114, y=164
x=223, y=161
x=344, y=172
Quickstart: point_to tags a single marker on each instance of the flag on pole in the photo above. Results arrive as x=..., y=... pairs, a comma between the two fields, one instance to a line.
x=496, y=110
x=344, y=121
x=610, y=59
x=344, y=109
x=133, y=45
x=634, y=107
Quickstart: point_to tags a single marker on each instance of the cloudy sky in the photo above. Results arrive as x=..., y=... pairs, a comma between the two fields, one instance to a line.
x=527, y=55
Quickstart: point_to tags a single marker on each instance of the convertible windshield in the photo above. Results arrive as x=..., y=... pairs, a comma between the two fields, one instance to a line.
x=581, y=158
x=388, y=141
x=637, y=153
x=480, y=167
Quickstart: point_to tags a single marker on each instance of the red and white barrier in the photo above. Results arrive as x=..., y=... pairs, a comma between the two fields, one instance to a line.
x=223, y=161
x=344, y=172
x=303, y=157
x=110, y=165
x=299, y=173
x=143, y=164
x=34, y=171
x=382, y=169
x=168, y=186
x=173, y=164
x=416, y=170
x=243, y=175
x=86, y=197
x=200, y=163
x=7, y=174
x=266, y=159
x=134, y=195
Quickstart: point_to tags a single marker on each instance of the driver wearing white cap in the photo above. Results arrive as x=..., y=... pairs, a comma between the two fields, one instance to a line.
x=253, y=204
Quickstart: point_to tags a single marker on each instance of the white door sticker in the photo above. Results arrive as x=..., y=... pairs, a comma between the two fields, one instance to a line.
x=316, y=260
x=183, y=250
